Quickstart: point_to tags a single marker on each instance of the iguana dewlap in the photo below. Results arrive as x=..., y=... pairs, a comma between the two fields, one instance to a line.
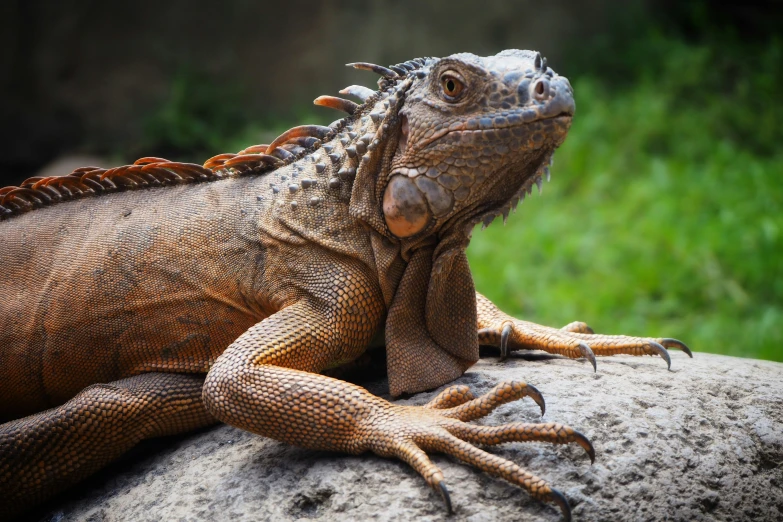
x=159, y=297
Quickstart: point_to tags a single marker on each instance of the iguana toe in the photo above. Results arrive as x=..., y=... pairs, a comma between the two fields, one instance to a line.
x=501, y=394
x=451, y=397
x=550, y=432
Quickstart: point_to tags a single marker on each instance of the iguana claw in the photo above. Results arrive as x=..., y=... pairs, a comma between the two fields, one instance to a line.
x=588, y=354
x=444, y=492
x=586, y=445
x=558, y=498
x=660, y=350
x=668, y=342
x=504, y=342
x=534, y=394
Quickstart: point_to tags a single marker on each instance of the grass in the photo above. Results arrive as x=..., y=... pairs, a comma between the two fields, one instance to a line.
x=663, y=218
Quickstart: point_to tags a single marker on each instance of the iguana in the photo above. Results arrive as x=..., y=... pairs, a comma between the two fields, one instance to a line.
x=129, y=311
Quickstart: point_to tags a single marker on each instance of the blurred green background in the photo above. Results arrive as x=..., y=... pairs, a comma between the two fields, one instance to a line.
x=665, y=212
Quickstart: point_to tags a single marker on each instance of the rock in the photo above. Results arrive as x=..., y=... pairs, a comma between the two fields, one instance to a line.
x=702, y=442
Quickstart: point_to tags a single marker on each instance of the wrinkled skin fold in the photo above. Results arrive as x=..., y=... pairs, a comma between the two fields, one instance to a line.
x=160, y=297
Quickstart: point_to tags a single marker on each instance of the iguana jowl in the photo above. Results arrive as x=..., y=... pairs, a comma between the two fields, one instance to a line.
x=131, y=313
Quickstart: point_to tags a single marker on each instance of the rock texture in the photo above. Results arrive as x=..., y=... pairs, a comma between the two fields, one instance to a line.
x=702, y=442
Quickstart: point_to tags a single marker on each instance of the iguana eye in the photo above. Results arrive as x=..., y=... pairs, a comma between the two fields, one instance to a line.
x=451, y=85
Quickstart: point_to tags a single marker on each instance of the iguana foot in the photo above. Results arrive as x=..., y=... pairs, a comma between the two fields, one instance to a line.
x=408, y=432
x=574, y=340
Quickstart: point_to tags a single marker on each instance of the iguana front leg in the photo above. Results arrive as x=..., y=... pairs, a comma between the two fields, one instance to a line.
x=574, y=340
x=266, y=382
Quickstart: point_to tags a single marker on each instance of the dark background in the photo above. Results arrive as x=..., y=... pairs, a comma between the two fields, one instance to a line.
x=666, y=200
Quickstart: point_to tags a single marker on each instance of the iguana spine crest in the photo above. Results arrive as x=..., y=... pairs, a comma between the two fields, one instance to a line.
x=147, y=172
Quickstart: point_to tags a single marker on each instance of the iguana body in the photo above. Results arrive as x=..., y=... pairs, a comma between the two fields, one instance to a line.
x=146, y=312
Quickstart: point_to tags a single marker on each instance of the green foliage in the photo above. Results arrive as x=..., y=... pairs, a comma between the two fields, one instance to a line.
x=665, y=215
x=202, y=117
x=195, y=117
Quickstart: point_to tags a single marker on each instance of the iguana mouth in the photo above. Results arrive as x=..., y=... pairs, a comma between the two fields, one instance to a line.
x=468, y=127
x=414, y=171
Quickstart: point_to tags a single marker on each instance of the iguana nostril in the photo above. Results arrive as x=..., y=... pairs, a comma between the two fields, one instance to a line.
x=541, y=89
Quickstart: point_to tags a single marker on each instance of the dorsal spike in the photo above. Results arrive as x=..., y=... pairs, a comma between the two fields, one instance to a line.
x=304, y=141
x=255, y=149
x=181, y=168
x=334, y=102
x=217, y=161
x=292, y=147
x=29, y=182
x=401, y=71
x=82, y=170
x=26, y=195
x=377, y=69
x=163, y=175
x=90, y=179
x=125, y=181
x=251, y=161
x=281, y=153
x=149, y=159
x=255, y=158
x=317, y=131
x=358, y=91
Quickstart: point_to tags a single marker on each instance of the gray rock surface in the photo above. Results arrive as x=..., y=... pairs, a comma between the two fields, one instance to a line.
x=702, y=442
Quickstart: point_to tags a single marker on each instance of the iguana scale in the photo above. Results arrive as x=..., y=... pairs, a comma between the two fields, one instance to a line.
x=129, y=311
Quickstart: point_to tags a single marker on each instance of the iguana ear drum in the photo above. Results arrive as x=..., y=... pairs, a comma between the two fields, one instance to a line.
x=405, y=207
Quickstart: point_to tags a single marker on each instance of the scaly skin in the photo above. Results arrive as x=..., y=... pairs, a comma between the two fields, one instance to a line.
x=226, y=299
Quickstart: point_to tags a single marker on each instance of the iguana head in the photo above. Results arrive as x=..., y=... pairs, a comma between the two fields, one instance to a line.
x=474, y=134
